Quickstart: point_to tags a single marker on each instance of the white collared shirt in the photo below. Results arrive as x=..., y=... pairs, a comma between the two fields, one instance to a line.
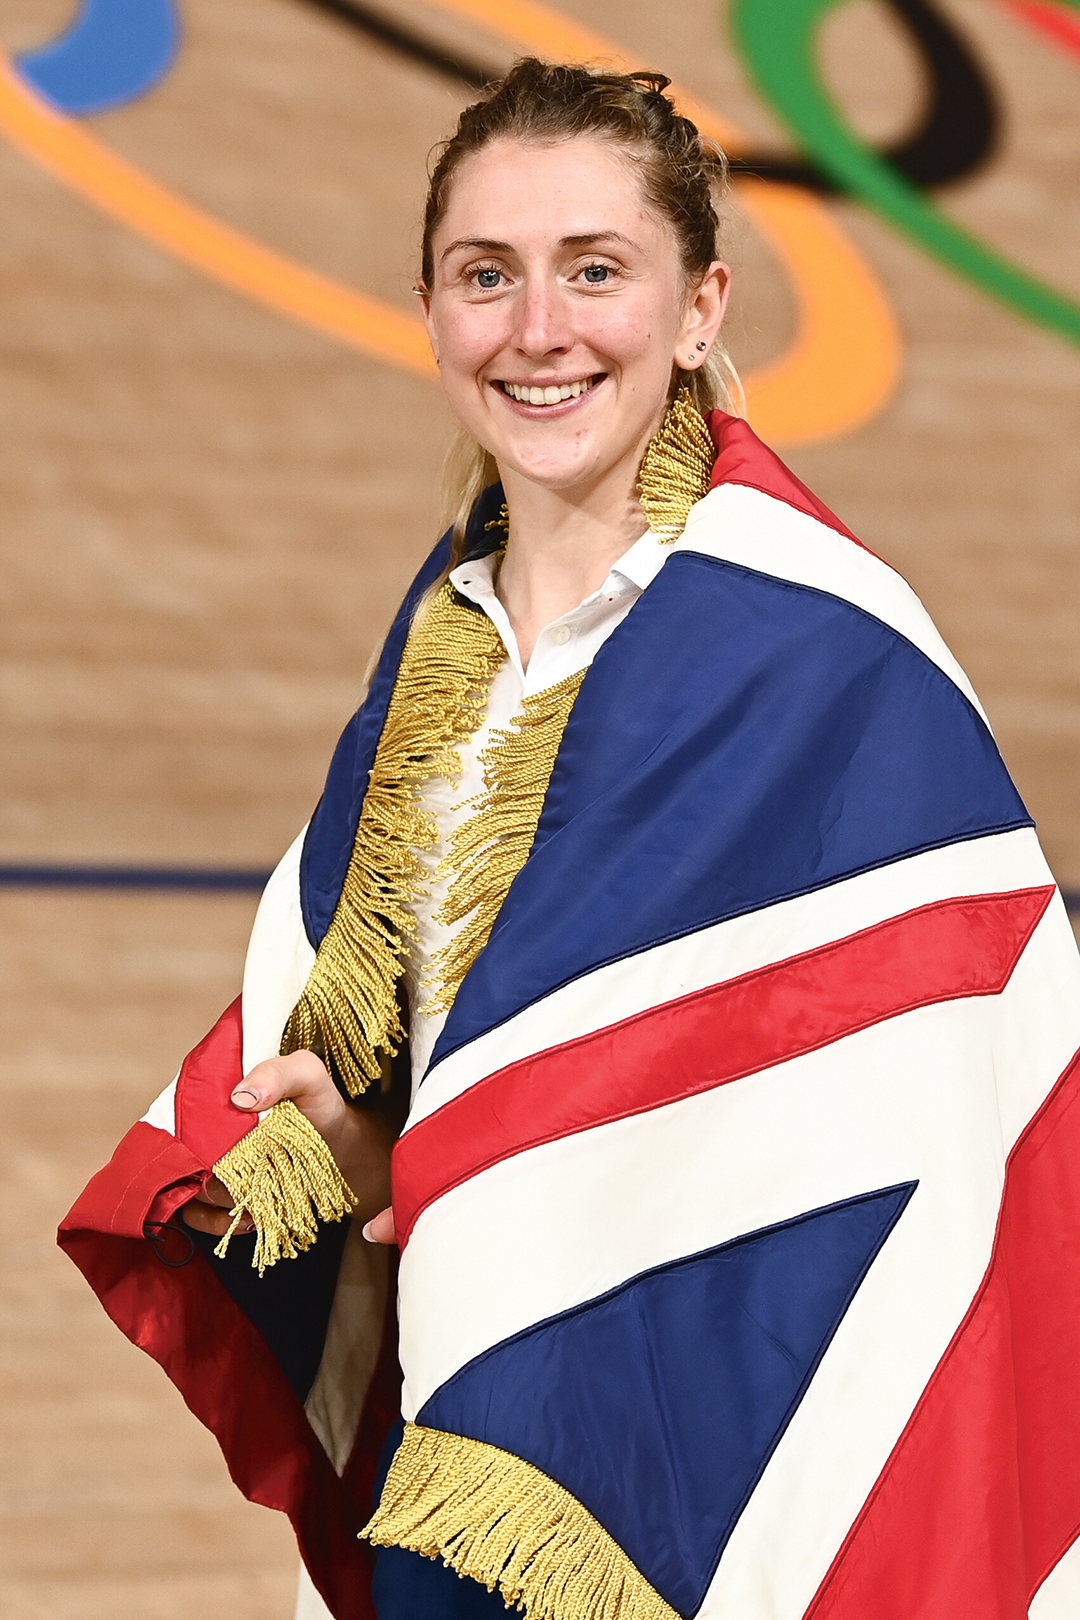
x=568, y=644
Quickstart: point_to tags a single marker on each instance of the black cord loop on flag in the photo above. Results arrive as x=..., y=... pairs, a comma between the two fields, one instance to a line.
x=155, y=1232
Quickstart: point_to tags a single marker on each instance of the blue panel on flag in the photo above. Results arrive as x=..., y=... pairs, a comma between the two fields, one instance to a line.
x=659, y=1404
x=794, y=741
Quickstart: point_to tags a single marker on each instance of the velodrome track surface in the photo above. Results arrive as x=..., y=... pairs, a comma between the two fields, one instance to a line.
x=210, y=505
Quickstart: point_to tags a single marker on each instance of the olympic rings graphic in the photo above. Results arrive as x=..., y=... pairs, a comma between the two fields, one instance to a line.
x=782, y=61
x=844, y=361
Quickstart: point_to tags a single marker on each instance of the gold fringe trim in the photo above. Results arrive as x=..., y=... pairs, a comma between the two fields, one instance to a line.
x=488, y=851
x=677, y=469
x=348, y=1011
x=285, y=1176
x=500, y=1521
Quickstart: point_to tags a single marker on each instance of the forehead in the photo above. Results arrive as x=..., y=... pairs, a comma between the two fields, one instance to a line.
x=515, y=188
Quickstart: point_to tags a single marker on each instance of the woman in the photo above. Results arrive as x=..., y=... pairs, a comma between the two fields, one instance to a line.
x=732, y=978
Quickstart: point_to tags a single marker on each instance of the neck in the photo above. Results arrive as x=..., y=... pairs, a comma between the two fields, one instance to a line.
x=561, y=549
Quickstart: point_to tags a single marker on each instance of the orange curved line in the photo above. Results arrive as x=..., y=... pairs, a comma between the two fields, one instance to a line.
x=549, y=34
x=844, y=363
x=123, y=191
x=838, y=373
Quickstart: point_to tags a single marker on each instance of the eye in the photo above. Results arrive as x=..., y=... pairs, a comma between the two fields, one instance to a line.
x=488, y=276
x=596, y=274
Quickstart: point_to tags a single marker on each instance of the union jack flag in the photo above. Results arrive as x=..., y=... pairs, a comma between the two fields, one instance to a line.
x=741, y=1197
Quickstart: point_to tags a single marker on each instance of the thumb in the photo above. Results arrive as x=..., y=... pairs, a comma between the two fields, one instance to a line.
x=246, y=1097
x=300, y=1075
x=380, y=1229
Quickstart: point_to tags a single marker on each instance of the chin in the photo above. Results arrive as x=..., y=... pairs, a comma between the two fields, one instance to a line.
x=552, y=465
x=559, y=475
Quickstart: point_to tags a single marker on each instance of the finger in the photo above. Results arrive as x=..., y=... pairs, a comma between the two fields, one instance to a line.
x=215, y=1192
x=204, y=1218
x=299, y=1075
x=210, y=1218
x=303, y=1078
x=380, y=1228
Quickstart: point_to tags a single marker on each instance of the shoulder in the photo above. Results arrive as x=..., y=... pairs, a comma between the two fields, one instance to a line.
x=759, y=517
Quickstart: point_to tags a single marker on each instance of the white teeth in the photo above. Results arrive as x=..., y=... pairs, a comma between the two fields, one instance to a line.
x=551, y=395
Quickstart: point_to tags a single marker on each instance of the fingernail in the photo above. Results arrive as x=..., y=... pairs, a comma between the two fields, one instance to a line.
x=365, y=1231
x=246, y=1099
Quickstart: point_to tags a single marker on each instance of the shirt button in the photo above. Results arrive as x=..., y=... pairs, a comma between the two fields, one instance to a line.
x=561, y=635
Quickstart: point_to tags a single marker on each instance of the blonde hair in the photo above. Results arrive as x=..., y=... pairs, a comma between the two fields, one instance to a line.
x=681, y=173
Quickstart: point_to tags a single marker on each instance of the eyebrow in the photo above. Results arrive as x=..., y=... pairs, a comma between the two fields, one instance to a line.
x=487, y=244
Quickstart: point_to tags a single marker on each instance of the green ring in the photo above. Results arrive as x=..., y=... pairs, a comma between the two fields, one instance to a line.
x=777, y=39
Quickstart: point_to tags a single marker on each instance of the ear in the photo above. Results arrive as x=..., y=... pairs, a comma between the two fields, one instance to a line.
x=429, y=324
x=702, y=317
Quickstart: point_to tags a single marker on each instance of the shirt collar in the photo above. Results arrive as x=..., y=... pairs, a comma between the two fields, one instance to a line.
x=639, y=566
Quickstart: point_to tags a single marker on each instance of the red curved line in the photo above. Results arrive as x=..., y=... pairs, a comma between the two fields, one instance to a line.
x=1054, y=21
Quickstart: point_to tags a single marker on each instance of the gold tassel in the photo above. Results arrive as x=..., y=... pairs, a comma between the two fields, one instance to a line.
x=498, y=1520
x=284, y=1175
x=488, y=851
x=348, y=1011
x=677, y=470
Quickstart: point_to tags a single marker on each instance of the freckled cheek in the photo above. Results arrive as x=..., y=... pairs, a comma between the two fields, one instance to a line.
x=623, y=338
x=471, y=339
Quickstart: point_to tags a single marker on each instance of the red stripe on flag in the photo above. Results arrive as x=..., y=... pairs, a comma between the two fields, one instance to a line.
x=953, y=948
x=981, y=1496
x=743, y=458
x=206, y=1120
x=148, y=1177
x=181, y=1314
x=152, y=1173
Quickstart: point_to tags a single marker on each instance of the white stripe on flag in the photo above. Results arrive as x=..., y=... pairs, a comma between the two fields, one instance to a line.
x=991, y=865
x=1058, y=1598
x=888, y=1104
x=162, y=1111
x=279, y=959
x=929, y=1096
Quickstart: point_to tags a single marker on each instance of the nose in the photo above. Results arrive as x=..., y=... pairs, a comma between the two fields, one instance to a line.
x=543, y=326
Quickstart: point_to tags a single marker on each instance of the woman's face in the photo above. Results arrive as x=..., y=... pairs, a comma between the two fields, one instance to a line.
x=558, y=308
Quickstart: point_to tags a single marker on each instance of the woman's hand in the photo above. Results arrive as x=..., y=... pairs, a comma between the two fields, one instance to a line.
x=380, y=1229
x=359, y=1138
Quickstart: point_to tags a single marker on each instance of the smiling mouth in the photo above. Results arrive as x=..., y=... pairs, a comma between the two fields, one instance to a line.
x=553, y=393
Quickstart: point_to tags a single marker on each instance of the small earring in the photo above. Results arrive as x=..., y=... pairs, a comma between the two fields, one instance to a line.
x=703, y=346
